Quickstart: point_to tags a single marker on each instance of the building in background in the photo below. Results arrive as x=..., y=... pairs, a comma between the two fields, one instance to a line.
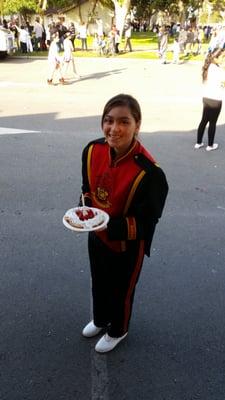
x=95, y=15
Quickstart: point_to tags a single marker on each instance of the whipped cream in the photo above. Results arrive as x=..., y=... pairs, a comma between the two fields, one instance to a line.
x=90, y=223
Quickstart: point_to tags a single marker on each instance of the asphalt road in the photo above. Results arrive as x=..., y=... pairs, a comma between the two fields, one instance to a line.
x=175, y=349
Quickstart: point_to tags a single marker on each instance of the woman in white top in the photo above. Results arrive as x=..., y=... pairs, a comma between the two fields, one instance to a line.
x=213, y=81
x=68, y=55
x=54, y=61
x=83, y=35
x=23, y=37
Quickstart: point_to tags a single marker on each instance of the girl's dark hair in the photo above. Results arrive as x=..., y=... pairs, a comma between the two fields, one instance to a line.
x=124, y=100
x=210, y=60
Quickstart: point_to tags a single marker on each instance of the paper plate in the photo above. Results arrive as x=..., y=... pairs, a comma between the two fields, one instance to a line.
x=96, y=228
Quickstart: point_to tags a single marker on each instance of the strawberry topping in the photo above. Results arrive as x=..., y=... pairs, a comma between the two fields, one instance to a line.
x=85, y=214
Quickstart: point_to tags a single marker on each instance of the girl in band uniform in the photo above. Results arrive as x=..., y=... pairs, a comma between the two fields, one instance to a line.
x=122, y=178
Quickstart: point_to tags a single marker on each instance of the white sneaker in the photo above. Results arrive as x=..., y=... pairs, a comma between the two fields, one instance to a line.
x=107, y=343
x=91, y=330
x=213, y=147
x=198, y=146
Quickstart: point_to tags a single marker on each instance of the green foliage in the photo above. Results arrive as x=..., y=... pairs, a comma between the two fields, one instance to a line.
x=146, y=8
x=216, y=17
x=107, y=3
x=61, y=3
x=19, y=6
x=195, y=4
x=203, y=18
x=218, y=5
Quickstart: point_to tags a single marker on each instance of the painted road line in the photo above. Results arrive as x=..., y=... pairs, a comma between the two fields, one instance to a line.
x=13, y=131
x=10, y=84
x=99, y=371
x=99, y=376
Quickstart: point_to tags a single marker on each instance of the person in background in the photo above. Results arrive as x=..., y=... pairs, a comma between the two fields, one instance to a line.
x=102, y=45
x=127, y=34
x=110, y=44
x=176, y=50
x=72, y=31
x=182, y=38
x=95, y=43
x=29, y=28
x=196, y=48
x=68, y=55
x=5, y=24
x=83, y=35
x=163, y=44
x=15, y=33
x=38, y=32
x=48, y=36
x=117, y=41
x=61, y=29
x=213, y=78
x=23, y=38
x=189, y=42
x=121, y=177
x=54, y=61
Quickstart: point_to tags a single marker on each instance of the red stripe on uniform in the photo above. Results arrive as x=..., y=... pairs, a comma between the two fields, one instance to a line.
x=131, y=228
x=132, y=285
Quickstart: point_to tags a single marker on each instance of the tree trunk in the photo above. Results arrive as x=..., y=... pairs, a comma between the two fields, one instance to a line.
x=91, y=13
x=94, y=7
x=44, y=5
x=120, y=14
x=79, y=11
x=181, y=16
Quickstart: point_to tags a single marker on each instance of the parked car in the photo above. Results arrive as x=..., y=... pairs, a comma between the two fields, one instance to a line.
x=6, y=42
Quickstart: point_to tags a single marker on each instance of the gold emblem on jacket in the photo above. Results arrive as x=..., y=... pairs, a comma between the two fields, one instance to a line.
x=101, y=198
x=101, y=194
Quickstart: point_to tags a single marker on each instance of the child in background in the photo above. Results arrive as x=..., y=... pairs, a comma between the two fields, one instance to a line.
x=102, y=45
x=176, y=51
x=68, y=55
x=95, y=44
x=117, y=42
x=54, y=60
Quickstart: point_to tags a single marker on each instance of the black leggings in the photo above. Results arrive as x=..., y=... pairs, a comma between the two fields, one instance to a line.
x=211, y=112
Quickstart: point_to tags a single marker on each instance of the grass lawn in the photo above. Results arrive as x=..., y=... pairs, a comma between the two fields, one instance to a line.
x=144, y=45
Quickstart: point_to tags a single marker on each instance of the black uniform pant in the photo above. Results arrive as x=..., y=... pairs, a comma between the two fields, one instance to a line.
x=211, y=112
x=114, y=277
x=23, y=47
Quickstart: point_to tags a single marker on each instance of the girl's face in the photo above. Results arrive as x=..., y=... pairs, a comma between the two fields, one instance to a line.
x=119, y=128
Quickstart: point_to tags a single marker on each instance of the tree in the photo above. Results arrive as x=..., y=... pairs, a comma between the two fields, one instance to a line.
x=182, y=9
x=42, y=4
x=147, y=8
x=25, y=7
x=22, y=7
x=58, y=3
x=217, y=5
x=121, y=10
